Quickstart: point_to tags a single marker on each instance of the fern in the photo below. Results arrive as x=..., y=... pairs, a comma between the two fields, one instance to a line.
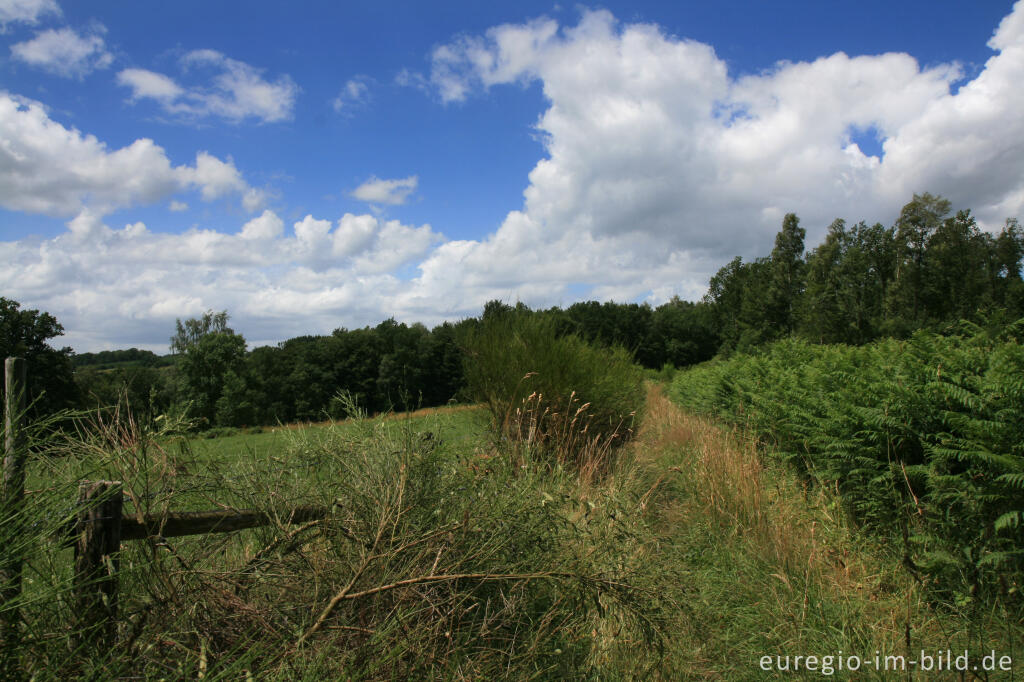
x=928, y=431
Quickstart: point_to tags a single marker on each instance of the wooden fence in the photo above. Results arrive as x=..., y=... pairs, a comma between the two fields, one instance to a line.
x=97, y=533
x=11, y=503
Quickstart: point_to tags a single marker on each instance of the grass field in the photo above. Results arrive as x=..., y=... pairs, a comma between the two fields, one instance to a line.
x=462, y=425
x=440, y=555
x=448, y=558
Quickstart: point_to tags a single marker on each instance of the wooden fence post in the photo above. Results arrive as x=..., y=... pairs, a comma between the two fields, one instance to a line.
x=98, y=540
x=11, y=505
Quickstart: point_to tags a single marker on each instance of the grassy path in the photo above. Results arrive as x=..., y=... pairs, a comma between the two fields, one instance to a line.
x=772, y=568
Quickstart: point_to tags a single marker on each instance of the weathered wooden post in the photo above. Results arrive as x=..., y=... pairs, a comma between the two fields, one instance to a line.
x=98, y=540
x=11, y=512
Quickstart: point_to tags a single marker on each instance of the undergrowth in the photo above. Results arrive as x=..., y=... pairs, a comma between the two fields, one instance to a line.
x=438, y=559
x=555, y=396
x=922, y=439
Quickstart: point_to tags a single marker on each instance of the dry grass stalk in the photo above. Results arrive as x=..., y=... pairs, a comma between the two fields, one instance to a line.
x=559, y=432
x=728, y=482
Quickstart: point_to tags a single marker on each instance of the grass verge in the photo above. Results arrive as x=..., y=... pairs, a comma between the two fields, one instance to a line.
x=773, y=568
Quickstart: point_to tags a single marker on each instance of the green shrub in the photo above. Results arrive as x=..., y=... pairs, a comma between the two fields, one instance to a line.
x=220, y=432
x=560, y=397
x=923, y=438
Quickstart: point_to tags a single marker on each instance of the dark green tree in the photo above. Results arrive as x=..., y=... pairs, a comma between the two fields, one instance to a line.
x=189, y=332
x=870, y=262
x=235, y=406
x=441, y=360
x=146, y=391
x=25, y=334
x=359, y=367
x=918, y=220
x=210, y=351
x=725, y=297
x=268, y=368
x=823, y=315
x=685, y=333
x=757, y=319
x=956, y=280
x=400, y=372
x=1008, y=251
x=786, y=283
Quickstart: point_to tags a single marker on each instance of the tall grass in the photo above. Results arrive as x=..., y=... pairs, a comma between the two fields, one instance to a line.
x=440, y=558
x=923, y=439
x=772, y=566
x=555, y=396
x=445, y=557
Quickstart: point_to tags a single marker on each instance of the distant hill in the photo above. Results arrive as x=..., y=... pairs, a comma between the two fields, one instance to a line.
x=112, y=359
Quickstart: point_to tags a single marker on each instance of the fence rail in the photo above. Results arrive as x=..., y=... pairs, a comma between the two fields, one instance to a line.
x=102, y=526
x=96, y=534
x=177, y=524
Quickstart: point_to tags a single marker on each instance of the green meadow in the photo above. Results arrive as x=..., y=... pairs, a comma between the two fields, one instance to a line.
x=513, y=540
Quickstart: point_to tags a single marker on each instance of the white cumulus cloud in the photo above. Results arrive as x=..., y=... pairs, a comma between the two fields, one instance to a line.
x=660, y=165
x=393, y=192
x=150, y=84
x=50, y=169
x=64, y=52
x=265, y=226
x=235, y=91
x=25, y=11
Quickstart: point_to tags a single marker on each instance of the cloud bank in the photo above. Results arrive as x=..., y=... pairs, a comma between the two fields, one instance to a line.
x=106, y=285
x=659, y=166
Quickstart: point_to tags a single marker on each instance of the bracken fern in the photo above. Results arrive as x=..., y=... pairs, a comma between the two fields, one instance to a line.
x=923, y=438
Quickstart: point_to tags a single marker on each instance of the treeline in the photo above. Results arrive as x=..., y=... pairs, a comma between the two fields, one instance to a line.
x=214, y=381
x=926, y=271
x=110, y=359
x=677, y=333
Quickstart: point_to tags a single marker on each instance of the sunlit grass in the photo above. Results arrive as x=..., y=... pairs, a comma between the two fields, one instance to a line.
x=449, y=554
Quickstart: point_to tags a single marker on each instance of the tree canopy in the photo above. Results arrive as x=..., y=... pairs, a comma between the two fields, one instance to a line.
x=25, y=334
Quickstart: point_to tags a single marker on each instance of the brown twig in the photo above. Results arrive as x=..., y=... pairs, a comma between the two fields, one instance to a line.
x=368, y=558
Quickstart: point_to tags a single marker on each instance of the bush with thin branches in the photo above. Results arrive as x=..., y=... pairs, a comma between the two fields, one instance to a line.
x=556, y=397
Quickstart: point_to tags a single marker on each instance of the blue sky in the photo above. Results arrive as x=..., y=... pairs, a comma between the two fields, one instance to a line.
x=336, y=164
